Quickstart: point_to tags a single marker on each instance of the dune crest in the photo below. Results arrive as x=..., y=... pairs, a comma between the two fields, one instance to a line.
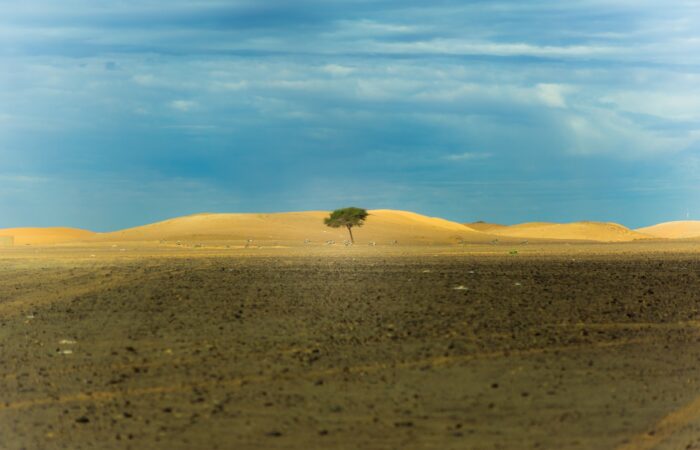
x=680, y=229
x=45, y=236
x=485, y=227
x=382, y=226
x=575, y=231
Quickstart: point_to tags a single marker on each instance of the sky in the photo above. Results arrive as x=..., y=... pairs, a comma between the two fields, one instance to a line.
x=123, y=112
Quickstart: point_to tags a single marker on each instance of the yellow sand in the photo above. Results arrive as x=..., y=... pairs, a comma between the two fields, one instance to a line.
x=382, y=227
x=43, y=236
x=588, y=231
x=673, y=230
x=485, y=227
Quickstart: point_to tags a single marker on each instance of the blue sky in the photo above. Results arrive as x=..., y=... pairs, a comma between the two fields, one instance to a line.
x=119, y=113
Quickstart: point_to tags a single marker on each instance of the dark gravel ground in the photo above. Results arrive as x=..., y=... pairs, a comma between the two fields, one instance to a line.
x=350, y=351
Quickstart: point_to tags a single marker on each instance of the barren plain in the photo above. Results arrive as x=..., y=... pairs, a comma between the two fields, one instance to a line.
x=479, y=346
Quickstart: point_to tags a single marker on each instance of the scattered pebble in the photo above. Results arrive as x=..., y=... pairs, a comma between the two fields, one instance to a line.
x=67, y=342
x=406, y=424
x=461, y=288
x=82, y=419
x=67, y=352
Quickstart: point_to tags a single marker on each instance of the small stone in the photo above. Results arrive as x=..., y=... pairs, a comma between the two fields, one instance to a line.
x=406, y=424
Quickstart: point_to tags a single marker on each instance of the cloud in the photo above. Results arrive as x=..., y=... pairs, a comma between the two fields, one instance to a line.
x=466, y=47
x=23, y=179
x=468, y=156
x=552, y=94
x=183, y=105
x=337, y=69
x=221, y=91
x=603, y=132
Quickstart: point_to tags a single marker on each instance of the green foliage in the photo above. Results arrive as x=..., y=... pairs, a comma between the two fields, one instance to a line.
x=348, y=218
x=353, y=217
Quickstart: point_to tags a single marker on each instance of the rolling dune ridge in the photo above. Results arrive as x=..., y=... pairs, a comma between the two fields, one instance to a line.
x=576, y=231
x=681, y=229
x=44, y=236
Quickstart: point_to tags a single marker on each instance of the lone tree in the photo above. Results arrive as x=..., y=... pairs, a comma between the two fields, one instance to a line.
x=348, y=218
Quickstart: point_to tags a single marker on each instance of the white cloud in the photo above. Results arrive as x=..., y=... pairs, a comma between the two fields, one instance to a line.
x=183, y=105
x=458, y=46
x=468, y=156
x=364, y=28
x=337, y=70
x=230, y=85
x=671, y=105
x=600, y=131
x=145, y=79
x=22, y=179
x=552, y=94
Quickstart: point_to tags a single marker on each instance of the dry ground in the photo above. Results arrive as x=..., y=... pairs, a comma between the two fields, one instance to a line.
x=559, y=347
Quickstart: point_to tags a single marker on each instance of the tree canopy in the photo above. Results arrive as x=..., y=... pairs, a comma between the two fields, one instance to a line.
x=348, y=218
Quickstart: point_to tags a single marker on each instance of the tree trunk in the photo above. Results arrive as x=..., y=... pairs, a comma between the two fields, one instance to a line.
x=352, y=240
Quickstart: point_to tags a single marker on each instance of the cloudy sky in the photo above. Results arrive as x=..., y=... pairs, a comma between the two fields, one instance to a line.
x=123, y=112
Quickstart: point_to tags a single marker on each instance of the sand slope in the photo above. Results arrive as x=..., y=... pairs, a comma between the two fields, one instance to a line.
x=673, y=230
x=382, y=226
x=587, y=231
x=485, y=227
x=44, y=236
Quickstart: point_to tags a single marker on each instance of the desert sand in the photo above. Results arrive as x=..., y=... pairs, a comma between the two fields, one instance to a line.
x=576, y=231
x=681, y=229
x=44, y=236
x=411, y=347
x=381, y=227
x=461, y=336
x=485, y=227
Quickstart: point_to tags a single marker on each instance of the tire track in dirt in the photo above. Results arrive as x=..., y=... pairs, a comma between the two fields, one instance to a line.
x=59, y=292
x=102, y=396
x=671, y=424
x=633, y=325
x=287, y=351
x=37, y=300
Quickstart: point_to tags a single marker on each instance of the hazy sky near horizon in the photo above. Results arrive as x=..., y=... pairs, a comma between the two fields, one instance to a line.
x=119, y=113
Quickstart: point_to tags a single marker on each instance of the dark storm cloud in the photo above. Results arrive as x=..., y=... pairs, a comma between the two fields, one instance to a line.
x=509, y=111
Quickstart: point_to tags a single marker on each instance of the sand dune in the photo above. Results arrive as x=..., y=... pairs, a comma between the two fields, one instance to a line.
x=44, y=236
x=485, y=227
x=584, y=231
x=673, y=230
x=382, y=226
